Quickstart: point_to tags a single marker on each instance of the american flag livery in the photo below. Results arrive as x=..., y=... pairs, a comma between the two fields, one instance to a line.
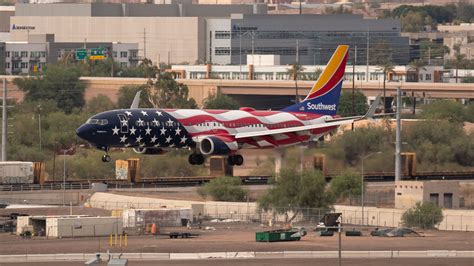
x=223, y=132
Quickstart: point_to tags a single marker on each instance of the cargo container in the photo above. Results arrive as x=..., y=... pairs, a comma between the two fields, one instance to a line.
x=16, y=172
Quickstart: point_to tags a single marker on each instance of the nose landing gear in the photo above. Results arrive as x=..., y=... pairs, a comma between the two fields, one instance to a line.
x=106, y=158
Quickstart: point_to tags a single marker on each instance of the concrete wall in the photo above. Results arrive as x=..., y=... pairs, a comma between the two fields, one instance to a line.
x=461, y=220
x=83, y=226
x=44, y=197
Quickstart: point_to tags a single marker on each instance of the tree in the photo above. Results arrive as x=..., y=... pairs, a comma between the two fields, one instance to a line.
x=417, y=65
x=459, y=59
x=345, y=104
x=167, y=93
x=444, y=110
x=99, y=103
x=293, y=191
x=433, y=141
x=294, y=73
x=346, y=185
x=352, y=144
x=224, y=189
x=220, y=101
x=412, y=22
x=58, y=83
x=425, y=215
x=126, y=94
x=386, y=67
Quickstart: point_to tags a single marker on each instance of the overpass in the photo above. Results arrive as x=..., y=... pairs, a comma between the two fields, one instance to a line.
x=257, y=90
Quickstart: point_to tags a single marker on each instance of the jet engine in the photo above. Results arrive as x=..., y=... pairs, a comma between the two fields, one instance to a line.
x=148, y=151
x=217, y=145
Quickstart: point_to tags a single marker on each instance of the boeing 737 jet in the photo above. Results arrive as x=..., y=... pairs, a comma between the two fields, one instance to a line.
x=224, y=132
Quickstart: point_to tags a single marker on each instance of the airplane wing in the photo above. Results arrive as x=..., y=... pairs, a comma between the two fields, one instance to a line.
x=328, y=123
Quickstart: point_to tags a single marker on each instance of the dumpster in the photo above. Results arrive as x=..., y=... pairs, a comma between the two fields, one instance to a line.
x=277, y=235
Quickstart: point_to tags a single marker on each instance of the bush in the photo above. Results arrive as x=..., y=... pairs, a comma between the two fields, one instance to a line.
x=426, y=216
x=224, y=189
x=346, y=185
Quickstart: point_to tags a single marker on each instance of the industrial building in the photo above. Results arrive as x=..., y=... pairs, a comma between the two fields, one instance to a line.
x=221, y=34
x=307, y=39
x=40, y=49
x=444, y=194
x=69, y=225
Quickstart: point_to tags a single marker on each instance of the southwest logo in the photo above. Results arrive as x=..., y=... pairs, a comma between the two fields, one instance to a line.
x=321, y=106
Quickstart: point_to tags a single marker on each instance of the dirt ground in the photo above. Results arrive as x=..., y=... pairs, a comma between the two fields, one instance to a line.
x=184, y=193
x=235, y=237
x=283, y=262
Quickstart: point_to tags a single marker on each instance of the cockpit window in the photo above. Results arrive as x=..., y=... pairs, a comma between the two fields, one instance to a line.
x=100, y=122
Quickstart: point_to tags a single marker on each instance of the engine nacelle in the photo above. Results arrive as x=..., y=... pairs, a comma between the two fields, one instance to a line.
x=217, y=145
x=149, y=151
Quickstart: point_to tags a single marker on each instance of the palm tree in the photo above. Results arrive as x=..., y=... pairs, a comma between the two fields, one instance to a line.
x=417, y=65
x=458, y=61
x=386, y=67
x=294, y=72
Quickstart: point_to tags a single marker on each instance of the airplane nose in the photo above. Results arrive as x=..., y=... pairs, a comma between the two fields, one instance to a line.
x=83, y=132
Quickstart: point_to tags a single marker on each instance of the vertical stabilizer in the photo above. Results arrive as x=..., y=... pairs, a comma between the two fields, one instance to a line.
x=323, y=98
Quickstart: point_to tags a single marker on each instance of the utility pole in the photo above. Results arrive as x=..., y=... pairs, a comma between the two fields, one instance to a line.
x=253, y=47
x=39, y=126
x=295, y=74
x=64, y=179
x=398, y=140
x=301, y=10
x=429, y=56
x=4, y=121
x=144, y=43
x=353, y=84
x=240, y=53
x=368, y=45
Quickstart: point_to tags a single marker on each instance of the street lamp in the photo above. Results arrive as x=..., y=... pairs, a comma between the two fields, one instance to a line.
x=362, y=176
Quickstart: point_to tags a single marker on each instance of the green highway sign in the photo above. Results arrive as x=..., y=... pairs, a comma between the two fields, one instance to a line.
x=81, y=54
x=97, y=51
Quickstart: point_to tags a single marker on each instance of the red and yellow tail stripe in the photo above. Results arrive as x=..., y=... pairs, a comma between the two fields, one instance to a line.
x=332, y=74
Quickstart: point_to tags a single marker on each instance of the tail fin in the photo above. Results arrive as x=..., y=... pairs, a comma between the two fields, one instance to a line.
x=323, y=98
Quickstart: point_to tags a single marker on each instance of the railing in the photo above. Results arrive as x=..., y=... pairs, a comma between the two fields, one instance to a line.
x=35, y=187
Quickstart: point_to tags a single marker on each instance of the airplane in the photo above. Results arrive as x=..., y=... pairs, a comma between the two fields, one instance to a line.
x=224, y=132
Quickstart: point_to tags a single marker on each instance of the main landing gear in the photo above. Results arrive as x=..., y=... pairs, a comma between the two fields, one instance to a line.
x=196, y=159
x=235, y=159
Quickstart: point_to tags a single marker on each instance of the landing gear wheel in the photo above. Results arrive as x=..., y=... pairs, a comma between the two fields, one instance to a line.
x=235, y=160
x=239, y=160
x=106, y=158
x=196, y=159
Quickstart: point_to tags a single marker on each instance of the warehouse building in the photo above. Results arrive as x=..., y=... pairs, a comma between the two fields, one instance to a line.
x=220, y=34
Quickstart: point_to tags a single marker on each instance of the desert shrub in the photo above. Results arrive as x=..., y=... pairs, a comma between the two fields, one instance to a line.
x=426, y=215
x=225, y=188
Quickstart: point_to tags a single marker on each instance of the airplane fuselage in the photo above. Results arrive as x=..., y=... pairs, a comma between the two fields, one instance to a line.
x=166, y=128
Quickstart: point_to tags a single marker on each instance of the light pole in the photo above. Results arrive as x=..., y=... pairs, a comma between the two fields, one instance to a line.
x=39, y=126
x=362, y=185
x=64, y=178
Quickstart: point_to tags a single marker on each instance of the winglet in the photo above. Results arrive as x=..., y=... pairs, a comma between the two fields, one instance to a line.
x=370, y=114
x=136, y=100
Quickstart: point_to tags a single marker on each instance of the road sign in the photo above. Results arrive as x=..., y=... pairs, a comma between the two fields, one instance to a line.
x=81, y=54
x=97, y=54
x=96, y=57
